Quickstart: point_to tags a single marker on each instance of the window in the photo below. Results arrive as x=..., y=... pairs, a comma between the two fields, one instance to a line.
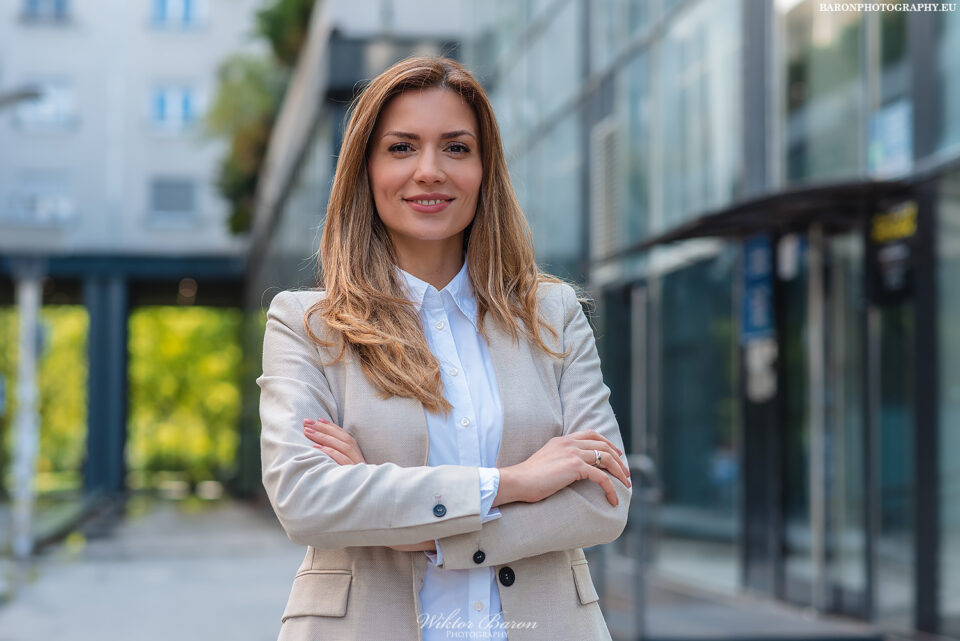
x=698, y=91
x=173, y=201
x=56, y=108
x=175, y=14
x=46, y=10
x=41, y=197
x=821, y=61
x=948, y=78
x=173, y=107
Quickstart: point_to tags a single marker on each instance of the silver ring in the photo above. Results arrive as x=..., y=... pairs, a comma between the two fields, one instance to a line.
x=597, y=462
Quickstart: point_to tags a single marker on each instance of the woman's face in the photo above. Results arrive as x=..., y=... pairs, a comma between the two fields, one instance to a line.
x=425, y=169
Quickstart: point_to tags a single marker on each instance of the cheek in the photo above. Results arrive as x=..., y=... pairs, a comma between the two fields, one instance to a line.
x=471, y=180
x=382, y=179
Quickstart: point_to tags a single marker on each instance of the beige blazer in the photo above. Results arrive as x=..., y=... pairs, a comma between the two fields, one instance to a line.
x=350, y=586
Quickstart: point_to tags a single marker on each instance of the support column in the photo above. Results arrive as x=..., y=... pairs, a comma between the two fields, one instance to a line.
x=106, y=299
x=27, y=423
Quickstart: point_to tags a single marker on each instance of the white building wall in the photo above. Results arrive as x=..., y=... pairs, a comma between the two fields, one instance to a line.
x=105, y=156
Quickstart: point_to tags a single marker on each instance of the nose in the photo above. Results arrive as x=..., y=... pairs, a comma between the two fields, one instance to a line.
x=428, y=169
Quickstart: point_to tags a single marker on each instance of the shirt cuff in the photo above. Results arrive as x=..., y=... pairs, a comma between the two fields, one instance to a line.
x=489, y=484
x=435, y=557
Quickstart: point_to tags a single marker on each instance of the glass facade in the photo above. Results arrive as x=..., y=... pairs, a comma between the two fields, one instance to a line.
x=845, y=422
x=948, y=323
x=821, y=64
x=637, y=154
x=554, y=182
x=699, y=118
x=696, y=364
x=894, y=460
x=948, y=78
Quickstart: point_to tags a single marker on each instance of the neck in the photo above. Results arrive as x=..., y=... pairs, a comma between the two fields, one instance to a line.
x=437, y=266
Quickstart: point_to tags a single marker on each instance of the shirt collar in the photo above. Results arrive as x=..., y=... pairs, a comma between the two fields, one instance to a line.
x=459, y=289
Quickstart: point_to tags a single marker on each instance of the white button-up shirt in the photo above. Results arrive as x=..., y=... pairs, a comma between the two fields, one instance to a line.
x=461, y=600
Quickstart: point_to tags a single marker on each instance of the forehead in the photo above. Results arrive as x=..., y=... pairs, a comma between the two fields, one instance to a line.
x=427, y=110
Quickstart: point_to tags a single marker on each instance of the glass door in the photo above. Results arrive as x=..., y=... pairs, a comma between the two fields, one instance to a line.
x=891, y=376
x=823, y=401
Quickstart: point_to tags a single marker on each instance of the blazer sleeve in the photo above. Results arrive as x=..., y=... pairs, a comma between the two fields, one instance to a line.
x=321, y=503
x=579, y=515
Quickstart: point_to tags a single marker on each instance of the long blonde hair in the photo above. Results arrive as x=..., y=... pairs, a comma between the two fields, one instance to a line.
x=365, y=306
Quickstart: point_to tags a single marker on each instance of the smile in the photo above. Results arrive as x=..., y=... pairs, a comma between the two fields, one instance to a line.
x=428, y=206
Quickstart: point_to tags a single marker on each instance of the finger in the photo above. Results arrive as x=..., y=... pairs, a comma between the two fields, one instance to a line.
x=607, y=457
x=338, y=434
x=331, y=440
x=339, y=457
x=603, y=479
x=325, y=426
x=595, y=436
x=611, y=461
x=606, y=463
x=349, y=457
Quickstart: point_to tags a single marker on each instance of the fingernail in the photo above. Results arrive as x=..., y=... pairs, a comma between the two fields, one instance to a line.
x=308, y=421
x=309, y=429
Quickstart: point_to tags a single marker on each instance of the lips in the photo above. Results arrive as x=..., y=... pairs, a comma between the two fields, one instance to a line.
x=437, y=204
x=429, y=198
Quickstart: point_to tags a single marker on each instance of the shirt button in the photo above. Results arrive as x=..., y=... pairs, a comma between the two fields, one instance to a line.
x=464, y=421
x=439, y=325
x=478, y=605
x=453, y=371
x=439, y=510
x=479, y=556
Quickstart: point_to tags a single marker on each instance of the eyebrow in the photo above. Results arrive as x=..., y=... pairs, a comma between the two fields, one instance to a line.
x=443, y=136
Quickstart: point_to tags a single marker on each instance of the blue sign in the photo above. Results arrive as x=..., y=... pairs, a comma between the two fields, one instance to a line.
x=756, y=318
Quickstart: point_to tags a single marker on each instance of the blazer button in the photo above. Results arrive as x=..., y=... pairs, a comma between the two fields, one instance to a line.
x=479, y=556
x=439, y=509
x=507, y=577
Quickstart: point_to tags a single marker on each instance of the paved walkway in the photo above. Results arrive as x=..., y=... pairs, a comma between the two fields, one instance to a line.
x=163, y=572
x=679, y=612
x=209, y=571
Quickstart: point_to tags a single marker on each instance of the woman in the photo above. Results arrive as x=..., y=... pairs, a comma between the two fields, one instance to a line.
x=443, y=458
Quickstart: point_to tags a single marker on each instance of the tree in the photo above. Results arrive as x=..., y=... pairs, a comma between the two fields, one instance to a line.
x=249, y=95
x=184, y=391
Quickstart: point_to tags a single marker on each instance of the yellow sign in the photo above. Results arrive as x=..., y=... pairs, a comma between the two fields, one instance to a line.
x=896, y=224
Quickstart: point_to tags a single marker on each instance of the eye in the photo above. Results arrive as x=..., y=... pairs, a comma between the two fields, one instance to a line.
x=459, y=148
x=400, y=147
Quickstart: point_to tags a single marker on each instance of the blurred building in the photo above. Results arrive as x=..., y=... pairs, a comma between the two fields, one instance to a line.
x=111, y=158
x=107, y=183
x=763, y=196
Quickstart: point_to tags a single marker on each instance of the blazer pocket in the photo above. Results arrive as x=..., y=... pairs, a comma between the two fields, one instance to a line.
x=585, y=589
x=319, y=593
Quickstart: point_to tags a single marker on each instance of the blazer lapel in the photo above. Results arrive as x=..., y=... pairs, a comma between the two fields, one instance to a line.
x=506, y=357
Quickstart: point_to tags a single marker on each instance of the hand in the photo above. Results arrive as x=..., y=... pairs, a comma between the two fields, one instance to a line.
x=333, y=440
x=563, y=460
x=343, y=449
